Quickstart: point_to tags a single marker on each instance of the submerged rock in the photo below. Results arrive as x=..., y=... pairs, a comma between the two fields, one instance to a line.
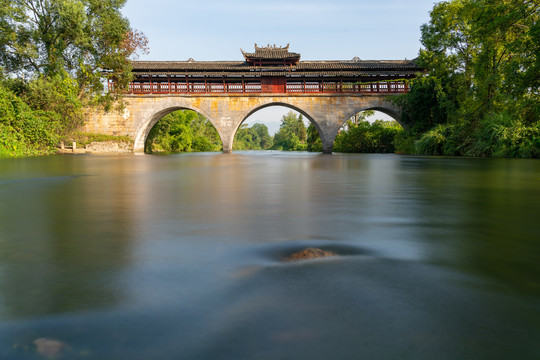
x=50, y=348
x=309, y=253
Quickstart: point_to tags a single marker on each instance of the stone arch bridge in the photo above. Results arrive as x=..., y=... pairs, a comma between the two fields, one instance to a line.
x=227, y=92
x=327, y=112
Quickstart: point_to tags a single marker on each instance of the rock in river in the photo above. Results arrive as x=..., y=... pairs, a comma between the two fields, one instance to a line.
x=309, y=253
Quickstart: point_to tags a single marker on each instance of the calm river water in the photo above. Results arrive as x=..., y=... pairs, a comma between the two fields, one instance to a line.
x=181, y=257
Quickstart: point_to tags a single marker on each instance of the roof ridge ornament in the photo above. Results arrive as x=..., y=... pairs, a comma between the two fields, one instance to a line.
x=271, y=47
x=271, y=55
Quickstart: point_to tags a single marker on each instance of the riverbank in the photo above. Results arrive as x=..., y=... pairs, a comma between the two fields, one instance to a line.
x=97, y=147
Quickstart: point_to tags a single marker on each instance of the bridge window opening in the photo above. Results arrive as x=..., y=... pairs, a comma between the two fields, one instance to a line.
x=182, y=131
x=275, y=128
x=368, y=131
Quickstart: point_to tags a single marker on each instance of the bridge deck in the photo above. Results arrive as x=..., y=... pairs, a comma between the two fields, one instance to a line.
x=170, y=87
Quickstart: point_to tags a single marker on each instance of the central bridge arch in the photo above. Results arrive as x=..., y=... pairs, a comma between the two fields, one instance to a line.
x=250, y=112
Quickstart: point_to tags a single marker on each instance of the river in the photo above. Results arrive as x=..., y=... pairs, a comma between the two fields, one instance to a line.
x=181, y=257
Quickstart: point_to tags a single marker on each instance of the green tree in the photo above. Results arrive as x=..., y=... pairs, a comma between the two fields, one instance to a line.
x=482, y=58
x=58, y=95
x=246, y=139
x=55, y=56
x=77, y=38
x=377, y=137
x=313, y=139
x=292, y=133
x=252, y=138
x=183, y=130
x=266, y=140
x=361, y=116
x=24, y=131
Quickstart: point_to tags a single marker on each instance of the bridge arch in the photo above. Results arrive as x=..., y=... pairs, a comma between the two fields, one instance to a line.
x=385, y=106
x=274, y=103
x=149, y=121
x=334, y=115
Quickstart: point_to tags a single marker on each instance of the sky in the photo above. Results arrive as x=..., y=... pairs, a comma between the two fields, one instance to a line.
x=210, y=30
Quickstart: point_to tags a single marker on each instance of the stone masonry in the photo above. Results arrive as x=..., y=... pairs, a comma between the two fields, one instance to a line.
x=328, y=113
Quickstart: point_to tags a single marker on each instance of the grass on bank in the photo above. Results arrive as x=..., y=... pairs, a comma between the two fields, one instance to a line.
x=82, y=139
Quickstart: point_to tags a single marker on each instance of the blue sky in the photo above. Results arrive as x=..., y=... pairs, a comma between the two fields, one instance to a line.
x=318, y=30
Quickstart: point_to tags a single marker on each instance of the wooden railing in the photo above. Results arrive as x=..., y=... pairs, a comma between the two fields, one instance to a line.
x=390, y=87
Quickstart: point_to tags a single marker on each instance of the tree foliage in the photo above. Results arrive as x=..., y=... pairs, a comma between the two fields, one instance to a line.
x=23, y=130
x=183, y=130
x=55, y=56
x=77, y=38
x=483, y=61
x=255, y=137
x=313, y=139
x=292, y=133
x=364, y=137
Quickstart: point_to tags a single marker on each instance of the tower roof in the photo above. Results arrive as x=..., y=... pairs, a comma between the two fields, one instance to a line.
x=271, y=54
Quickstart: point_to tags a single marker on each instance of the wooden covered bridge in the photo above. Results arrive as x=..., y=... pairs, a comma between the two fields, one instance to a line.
x=227, y=92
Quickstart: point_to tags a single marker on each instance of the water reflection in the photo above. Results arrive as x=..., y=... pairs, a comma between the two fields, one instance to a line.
x=63, y=237
x=179, y=257
x=481, y=215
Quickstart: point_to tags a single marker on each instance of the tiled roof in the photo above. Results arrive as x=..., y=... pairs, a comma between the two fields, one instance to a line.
x=232, y=67
x=276, y=61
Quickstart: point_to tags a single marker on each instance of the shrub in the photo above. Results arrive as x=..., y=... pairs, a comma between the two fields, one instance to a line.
x=404, y=143
x=431, y=142
x=364, y=137
x=501, y=136
x=25, y=131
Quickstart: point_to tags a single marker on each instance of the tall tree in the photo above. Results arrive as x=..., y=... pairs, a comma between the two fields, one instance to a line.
x=86, y=39
x=313, y=140
x=291, y=134
x=483, y=54
x=481, y=96
x=265, y=140
x=252, y=138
